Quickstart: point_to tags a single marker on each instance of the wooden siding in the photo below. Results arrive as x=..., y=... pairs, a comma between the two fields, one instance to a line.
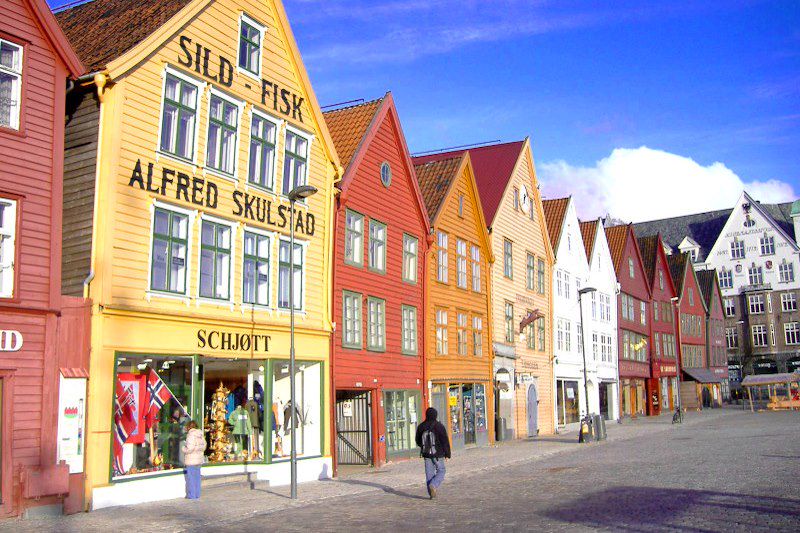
x=638, y=288
x=663, y=297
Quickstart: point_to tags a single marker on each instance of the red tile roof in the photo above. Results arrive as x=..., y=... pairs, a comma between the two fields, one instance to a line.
x=348, y=127
x=102, y=30
x=677, y=269
x=435, y=178
x=492, y=165
x=554, y=212
x=589, y=231
x=648, y=247
x=707, y=280
x=617, y=236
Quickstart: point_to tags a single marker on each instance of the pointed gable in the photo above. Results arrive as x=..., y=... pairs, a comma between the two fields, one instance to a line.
x=617, y=237
x=435, y=180
x=589, y=234
x=677, y=269
x=348, y=127
x=554, y=213
x=648, y=247
x=707, y=280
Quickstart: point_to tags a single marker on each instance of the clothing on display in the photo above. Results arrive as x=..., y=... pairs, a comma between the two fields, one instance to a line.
x=254, y=412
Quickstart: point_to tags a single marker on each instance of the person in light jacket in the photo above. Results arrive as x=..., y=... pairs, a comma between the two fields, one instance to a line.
x=193, y=450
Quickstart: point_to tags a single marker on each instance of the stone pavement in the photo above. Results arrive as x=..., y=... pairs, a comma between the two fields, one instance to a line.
x=516, y=485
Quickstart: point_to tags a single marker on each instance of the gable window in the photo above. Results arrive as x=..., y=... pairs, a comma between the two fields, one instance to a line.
x=759, y=335
x=767, y=245
x=261, y=168
x=295, y=161
x=630, y=267
x=10, y=84
x=786, y=272
x=295, y=278
x=756, y=303
x=516, y=199
x=351, y=304
x=691, y=296
x=541, y=276
x=477, y=336
x=731, y=338
x=178, y=117
x=730, y=307
x=376, y=324
x=251, y=34
x=661, y=279
x=441, y=256
x=509, y=322
x=530, y=280
x=386, y=174
x=461, y=263
x=441, y=332
x=725, y=278
x=8, y=234
x=215, y=260
x=693, y=255
x=737, y=248
x=223, y=121
x=508, y=258
x=755, y=275
x=377, y=246
x=255, y=282
x=788, y=302
x=461, y=206
x=353, y=238
x=791, y=332
x=409, y=331
x=461, y=333
x=170, y=244
x=410, y=252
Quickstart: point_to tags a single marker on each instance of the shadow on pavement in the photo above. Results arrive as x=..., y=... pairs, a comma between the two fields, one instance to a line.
x=626, y=508
x=384, y=488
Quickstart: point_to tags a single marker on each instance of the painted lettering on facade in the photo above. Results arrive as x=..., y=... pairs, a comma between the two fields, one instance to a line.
x=10, y=340
x=236, y=342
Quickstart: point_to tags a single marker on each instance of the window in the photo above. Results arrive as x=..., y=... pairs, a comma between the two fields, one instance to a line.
x=509, y=322
x=767, y=245
x=476, y=269
x=296, y=277
x=409, y=330
x=791, y=332
x=608, y=348
x=759, y=335
x=630, y=267
x=541, y=276
x=516, y=198
x=178, y=117
x=377, y=246
x=508, y=258
x=255, y=269
x=530, y=332
x=461, y=263
x=376, y=324
x=567, y=335
x=605, y=304
x=441, y=332
x=594, y=305
x=295, y=161
x=559, y=283
x=755, y=275
x=215, y=260
x=530, y=280
x=8, y=233
x=441, y=257
x=309, y=379
x=10, y=84
x=353, y=238
x=786, y=272
x=624, y=306
x=725, y=278
x=170, y=243
x=756, y=303
x=403, y=408
x=737, y=249
x=386, y=174
x=223, y=122
x=579, y=332
x=596, y=347
x=643, y=312
x=461, y=333
x=661, y=279
x=730, y=306
x=693, y=255
x=731, y=337
x=477, y=336
x=351, y=336
x=410, y=252
x=250, y=36
x=657, y=342
x=542, y=333
x=461, y=206
x=656, y=307
x=261, y=170
x=788, y=302
x=691, y=296
x=566, y=285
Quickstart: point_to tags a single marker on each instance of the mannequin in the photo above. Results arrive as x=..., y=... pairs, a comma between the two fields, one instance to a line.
x=254, y=414
x=277, y=426
x=242, y=429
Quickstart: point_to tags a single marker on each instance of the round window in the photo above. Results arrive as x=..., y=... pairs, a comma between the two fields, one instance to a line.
x=386, y=174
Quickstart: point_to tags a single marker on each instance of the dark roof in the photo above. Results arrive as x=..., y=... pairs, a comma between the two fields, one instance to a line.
x=435, y=179
x=677, y=268
x=554, y=212
x=707, y=279
x=648, y=247
x=102, y=30
x=704, y=228
x=492, y=166
x=589, y=230
x=348, y=126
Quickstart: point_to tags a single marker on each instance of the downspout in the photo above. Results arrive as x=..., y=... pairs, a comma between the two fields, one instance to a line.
x=333, y=217
x=100, y=80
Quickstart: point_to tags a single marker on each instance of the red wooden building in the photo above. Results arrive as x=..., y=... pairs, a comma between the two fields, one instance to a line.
x=380, y=245
x=42, y=339
x=715, y=331
x=664, y=343
x=633, y=318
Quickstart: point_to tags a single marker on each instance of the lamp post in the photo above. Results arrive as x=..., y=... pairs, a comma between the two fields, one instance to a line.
x=300, y=192
x=581, y=292
x=678, y=408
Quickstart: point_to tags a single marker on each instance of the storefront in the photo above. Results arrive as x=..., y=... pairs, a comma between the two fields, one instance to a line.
x=403, y=410
x=567, y=402
x=633, y=397
x=504, y=398
x=607, y=393
x=700, y=389
x=465, y=407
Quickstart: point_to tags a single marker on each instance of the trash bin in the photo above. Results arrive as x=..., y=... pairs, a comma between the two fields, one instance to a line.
x=599, y=426
x=500, y=428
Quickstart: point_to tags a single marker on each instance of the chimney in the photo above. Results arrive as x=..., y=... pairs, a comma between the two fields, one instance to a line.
x=796, y=220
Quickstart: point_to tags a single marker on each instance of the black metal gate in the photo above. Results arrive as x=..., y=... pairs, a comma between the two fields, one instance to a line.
x=353, y=428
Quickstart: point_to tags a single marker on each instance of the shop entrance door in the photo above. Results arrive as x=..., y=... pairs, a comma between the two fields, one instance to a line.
x=353, y=428
x=469, y=414
x=533, y=410
x=604, y=410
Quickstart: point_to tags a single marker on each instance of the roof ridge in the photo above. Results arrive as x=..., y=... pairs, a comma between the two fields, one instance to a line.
x=350, y=107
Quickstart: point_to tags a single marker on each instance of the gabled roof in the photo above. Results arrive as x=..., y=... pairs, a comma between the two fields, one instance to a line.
x=617, y=236
x=589, y=233
x=707, y=279
x=555, y=211
x=648, y=247
x=52, y=31
x=103, y=30
x=435, y=180
x=677, y=268
x=493, y=166
x=348, y=127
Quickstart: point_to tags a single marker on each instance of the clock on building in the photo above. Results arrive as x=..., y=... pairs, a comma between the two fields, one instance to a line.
x=525, y=199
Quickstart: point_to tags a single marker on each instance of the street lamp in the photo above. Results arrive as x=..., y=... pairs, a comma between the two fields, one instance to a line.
x=301, y=192
x=678, y=417
x=581, y=292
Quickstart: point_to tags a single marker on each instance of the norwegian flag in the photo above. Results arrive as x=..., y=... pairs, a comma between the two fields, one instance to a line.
x=158, y=394
x=124, y=422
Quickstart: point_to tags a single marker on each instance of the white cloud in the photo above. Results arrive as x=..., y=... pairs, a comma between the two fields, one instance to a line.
x=645, y=184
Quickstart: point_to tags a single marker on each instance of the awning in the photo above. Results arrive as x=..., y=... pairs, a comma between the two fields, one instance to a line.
x=770, y=379
x=702, y=375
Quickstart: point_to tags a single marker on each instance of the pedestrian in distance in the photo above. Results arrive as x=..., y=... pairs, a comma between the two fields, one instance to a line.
x=193, y=455
x=434, y=447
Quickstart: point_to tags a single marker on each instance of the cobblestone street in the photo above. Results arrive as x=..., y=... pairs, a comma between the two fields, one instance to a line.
x=725, y=470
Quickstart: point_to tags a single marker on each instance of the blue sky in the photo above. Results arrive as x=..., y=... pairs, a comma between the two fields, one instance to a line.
x=592, y=83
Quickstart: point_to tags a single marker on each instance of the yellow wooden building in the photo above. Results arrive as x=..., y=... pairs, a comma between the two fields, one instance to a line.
x=181, y=148
x=458, y=355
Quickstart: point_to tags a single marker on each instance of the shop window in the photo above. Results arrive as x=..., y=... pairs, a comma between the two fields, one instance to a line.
x=8, y=235
x=351, y=338
x=305, y=416
x=261, y=170
x=476, y=269
x=541, y=279
x=410, y=258
x=530, y=279
x=409, y=331
x=251, y=34
x=295, y=161
x=170, y=249
x=461, y=333
x=376, y=324
x=256, y=268
x=10, y=84
x=508, y=259
x=461, y=263
x=179, y=116
x=354, y=238
x=455, y=413
x=223, y=123
x=441, y=256
x=402, y=408
x=377, y=246
x=284, y=266
x=215, y=260
x=441, y=332
x=567, y=401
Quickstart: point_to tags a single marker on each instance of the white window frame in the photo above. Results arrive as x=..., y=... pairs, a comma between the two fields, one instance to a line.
x=767, y=244
x=726, y=278
x=477, y=336
x=15, y=121
x=727, y=307
x=192, y=214
x=462, y=333
x=755, y=275
x=273, y=174
x=731, y=338
x=234, y=226
x=442, y=249
x=461, y=264
x=410, y=271
x=240, y=105
x=442, y=332
x=786, y=271
x=476, y=268
x=762, y=330
x=409, y=330
x=755, y=304
x=737, y=245
x=309, y=137
x=303, y=274
x=788, y=302
x=358, y=322
x=791, y=333
x=273, y=237
x=8, y=240
x=262, y=29
x=199, y=85
x=380, y=327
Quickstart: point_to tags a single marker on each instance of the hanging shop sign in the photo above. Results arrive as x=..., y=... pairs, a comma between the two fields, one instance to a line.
x=232, y=342
x=71, y=429
x=10, y=340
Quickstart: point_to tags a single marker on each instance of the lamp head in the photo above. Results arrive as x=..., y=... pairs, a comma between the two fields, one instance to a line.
x=586, y=290
x=301, y=192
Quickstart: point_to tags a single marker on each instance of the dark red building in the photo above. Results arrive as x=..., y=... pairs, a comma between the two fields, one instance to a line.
x=43, y=341
x=379, y=285
x=664, y=343
x=716, y=349
x=633, y=319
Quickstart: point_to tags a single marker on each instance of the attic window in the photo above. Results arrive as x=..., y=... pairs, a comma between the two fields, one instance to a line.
x=386, y=174
x=630, y=267
x=461, y=206
x=251, y=34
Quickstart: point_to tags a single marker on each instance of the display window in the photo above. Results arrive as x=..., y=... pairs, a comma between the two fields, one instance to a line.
x=305, y=416
x=567, y=402
x=454, y=402
x=402, y=411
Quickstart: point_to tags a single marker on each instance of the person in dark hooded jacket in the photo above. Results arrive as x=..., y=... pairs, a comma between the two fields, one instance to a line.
x=434, y=446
